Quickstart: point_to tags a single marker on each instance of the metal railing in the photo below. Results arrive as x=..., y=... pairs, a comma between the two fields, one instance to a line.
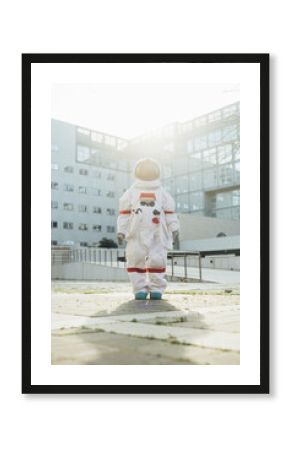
x=180, y=262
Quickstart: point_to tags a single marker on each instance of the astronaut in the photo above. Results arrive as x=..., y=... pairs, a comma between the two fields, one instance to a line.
x=148, y=222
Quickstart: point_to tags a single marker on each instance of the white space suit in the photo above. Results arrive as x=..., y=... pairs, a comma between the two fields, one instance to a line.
x=147, y=218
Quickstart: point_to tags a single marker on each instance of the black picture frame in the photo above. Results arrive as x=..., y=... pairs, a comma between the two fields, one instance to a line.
x=248, y=58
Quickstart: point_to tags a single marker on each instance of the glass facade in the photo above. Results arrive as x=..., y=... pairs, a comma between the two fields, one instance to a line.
x=200, y=162
x=205, y=175
x=200, y=167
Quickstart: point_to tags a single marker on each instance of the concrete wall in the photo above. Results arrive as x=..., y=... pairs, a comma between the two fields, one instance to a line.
x=196, y=227
x=223, y=243
x=87, y=271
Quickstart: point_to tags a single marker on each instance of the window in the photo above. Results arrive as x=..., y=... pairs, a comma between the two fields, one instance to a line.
x=83, y=172
x=68, y=206
x=209, y=178
x=95, y=191
x=236, y=151
x=68, y=225
x=196, y=201
x=224, y=154
x=195, y=181
x=54, y=185
x=68, y=169
x=200, y=122
x=54, y=204
x=236, y=198
x=110, y=229
x=223, y=199
x=83, y=227
x=229, y=110
x=110, y=177
x=167, y=172
x=53, y=242
x=110, y=140
x=54, y=224
x=213, y=117
x=97, y=227
x=83, y=131
x=54, y=166
x=110, y=212
x=97, y=210
x=121, y=144
x=236, y=213
x=237, y=171
x=200, y=142
x=97, y=137
x=214, y=138
x=83, y=153
x=111, y=194
x=82, y=189
x=190, y=146
x=226, y=174
x=68, y=187
x=83, y=208
x=230, y=133
x=210, y=156
x=97, y=173
x=83, y=244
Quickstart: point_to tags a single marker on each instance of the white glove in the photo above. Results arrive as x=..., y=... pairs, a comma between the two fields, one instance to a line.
x=120, y=238
x=175, y=235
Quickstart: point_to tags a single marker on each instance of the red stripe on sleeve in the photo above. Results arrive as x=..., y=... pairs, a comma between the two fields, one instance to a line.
x=169, y=212
x=125, y=211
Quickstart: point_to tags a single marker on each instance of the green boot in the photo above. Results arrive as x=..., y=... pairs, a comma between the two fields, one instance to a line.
x=141, y=295
x=155, y=295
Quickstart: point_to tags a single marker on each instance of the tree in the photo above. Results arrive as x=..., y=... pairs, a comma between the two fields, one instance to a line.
x=107, y=243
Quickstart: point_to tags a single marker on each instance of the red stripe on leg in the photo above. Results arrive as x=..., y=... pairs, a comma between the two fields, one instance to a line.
x=136, y=269
x=156, y=270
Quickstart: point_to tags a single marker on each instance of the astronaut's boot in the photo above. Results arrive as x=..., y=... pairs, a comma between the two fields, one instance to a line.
x=141, y=295
x=155, y=295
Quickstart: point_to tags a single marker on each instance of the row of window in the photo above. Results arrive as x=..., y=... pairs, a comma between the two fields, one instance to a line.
x=81, y=226
x=82, y=208
x=101, y=138
x=82, y=189
x=196, y=200
x=82, y=243
x=219, y=176
x=221, y=135
x=225, y=113
x=94, y=173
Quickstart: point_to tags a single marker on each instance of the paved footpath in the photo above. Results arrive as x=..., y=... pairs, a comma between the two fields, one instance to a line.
x=101, y=323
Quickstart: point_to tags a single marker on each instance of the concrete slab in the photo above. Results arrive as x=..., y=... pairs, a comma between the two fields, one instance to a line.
x=199, y=337
x=82, y=347
x=101, y=324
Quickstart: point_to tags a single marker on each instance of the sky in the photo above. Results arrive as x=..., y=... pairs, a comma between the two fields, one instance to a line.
x=129, y=110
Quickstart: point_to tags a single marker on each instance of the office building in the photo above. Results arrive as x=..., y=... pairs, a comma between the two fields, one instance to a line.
x=200, y=163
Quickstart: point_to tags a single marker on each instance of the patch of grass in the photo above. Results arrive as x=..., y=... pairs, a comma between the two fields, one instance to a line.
x=134, y=320
x=182, y=319
x=197, y=292
x=81, y=291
